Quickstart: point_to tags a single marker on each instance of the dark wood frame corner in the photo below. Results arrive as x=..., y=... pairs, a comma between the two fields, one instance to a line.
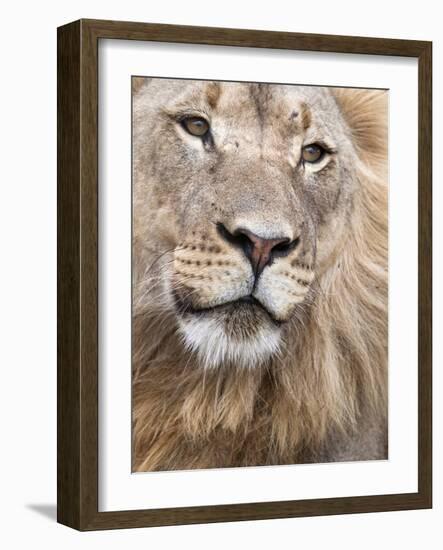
x=77, y=274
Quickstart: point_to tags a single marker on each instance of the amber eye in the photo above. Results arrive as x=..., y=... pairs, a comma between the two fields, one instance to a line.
x=312, y=153
x=196, y=126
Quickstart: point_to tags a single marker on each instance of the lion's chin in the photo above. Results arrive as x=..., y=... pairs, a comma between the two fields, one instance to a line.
x=237, y=335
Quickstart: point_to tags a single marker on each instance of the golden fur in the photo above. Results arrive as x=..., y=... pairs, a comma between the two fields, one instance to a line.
x=323, y=395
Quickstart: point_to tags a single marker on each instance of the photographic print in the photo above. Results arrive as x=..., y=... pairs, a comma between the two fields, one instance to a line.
x=227, y=267
x=260, y=287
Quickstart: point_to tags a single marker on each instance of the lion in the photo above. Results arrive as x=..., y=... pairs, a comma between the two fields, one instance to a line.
x=260, y=261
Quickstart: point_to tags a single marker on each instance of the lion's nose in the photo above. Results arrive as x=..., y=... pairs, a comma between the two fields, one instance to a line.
x=260, y=251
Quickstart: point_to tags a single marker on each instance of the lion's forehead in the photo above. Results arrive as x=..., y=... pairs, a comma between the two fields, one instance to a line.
x=261, y=108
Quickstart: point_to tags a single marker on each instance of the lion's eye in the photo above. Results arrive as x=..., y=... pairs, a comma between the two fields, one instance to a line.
x=313, y=153
x=196, y=126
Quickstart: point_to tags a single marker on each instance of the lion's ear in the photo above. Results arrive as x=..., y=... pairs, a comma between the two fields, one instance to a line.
x=139, y=82
x=366, y=113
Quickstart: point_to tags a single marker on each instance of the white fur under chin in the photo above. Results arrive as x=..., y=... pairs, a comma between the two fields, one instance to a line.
x=207, y=338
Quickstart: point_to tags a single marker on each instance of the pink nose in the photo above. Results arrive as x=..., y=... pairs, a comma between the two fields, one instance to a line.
x=258, y=250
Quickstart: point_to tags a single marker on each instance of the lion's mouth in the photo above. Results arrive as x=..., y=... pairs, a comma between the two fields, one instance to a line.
x=248, y=304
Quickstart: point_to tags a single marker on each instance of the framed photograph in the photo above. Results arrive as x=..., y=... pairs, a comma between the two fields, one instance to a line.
x=244, y=275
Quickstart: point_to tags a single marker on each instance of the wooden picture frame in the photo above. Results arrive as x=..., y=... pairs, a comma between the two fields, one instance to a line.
x=78, y=274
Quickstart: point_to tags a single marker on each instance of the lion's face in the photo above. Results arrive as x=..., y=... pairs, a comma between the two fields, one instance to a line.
x=241, y=196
